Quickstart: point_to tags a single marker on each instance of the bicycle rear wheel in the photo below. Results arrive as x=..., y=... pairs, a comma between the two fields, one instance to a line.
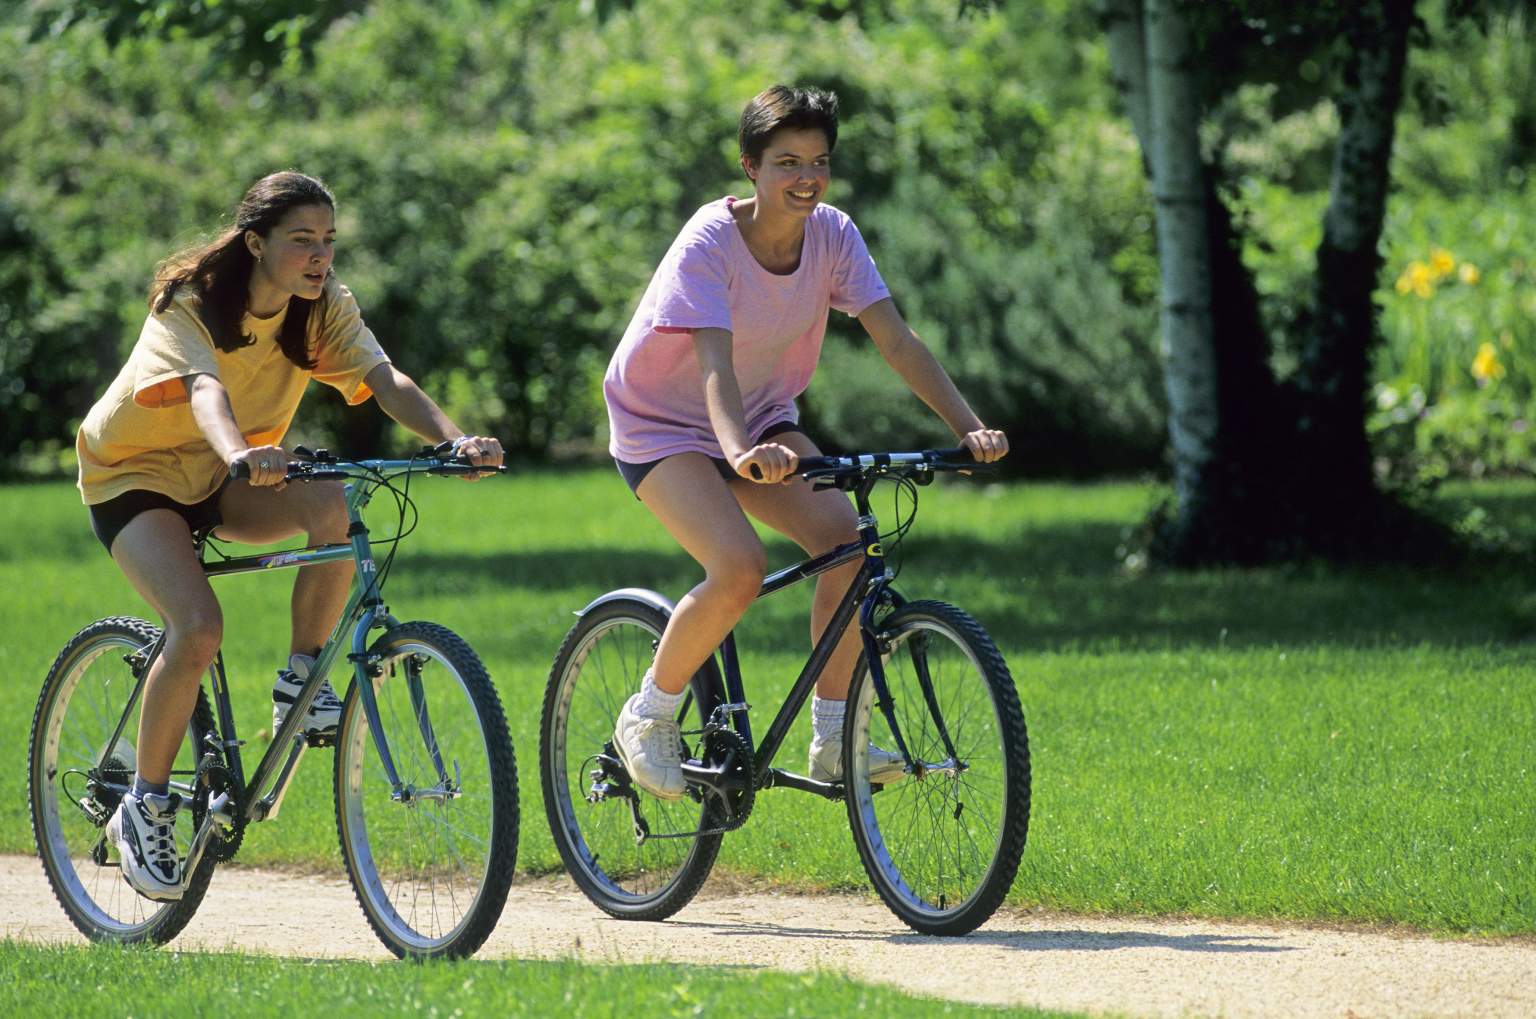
x=591, y=805
x=71, y=794
x=431, y=860
x=942, y=845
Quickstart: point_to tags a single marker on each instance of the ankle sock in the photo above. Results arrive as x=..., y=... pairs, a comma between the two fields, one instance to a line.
x=142, y=788
x=656, y=702
x=827, y=718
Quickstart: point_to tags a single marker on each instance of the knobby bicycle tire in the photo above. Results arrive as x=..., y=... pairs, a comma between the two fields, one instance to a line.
x=420, y=908
x=89, y=894
x=607, y=652
x=941, y=846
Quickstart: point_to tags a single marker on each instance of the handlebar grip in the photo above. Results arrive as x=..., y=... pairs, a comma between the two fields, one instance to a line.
x=240, y=470
x=757, y=472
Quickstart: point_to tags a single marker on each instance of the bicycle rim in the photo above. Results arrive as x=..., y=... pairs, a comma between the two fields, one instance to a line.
x=943, y=844
x=85, y=696
x=597, y=670
x=431, y=860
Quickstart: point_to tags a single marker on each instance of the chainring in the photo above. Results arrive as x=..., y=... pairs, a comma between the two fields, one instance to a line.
x=225, y=842
x=728, y=809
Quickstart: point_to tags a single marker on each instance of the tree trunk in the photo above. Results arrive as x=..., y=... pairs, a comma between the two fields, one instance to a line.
x=1127, y=46
x=1178, y=176
x=1333, y=373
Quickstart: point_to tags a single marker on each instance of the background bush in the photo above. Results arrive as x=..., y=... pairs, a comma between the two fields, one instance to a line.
x=509, y=173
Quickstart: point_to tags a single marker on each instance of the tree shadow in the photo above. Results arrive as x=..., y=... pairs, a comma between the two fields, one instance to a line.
x=1060, y=587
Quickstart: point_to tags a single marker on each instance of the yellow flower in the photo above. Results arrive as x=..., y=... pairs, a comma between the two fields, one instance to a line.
x=1486, y=366
x=1469, y=274
x=1441, y=262
x=1418, y=279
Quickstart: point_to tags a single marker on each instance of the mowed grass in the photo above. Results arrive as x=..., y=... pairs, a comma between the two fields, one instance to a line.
x=1287, y=742
x=111, y=980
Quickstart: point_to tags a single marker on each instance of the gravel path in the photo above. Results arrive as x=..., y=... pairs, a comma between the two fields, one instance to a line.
x=1131, y=966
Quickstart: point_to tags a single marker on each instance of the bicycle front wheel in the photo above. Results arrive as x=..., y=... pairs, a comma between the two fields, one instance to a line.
x=75, y=783
x=430, y=857
x=596, y=814
x=942, y=845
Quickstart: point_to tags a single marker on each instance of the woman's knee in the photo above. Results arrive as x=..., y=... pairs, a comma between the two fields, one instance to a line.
x=325, y=517
x=195, y=635
x=738, y=573
x=830, y=532
x=323, y=512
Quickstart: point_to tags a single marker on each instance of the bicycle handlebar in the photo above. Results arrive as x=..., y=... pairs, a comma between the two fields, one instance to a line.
x=321, y=466
x=922, y=462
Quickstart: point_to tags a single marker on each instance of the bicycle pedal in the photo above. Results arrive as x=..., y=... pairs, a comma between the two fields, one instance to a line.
x=320, y=739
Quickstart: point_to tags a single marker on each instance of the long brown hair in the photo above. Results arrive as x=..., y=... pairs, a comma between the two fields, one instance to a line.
x=219, y=272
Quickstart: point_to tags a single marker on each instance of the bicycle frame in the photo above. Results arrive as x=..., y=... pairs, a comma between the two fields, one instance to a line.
x=364, y=611
x=868, y=589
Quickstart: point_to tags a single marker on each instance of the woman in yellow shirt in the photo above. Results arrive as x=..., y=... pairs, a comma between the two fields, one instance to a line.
x=236, y=330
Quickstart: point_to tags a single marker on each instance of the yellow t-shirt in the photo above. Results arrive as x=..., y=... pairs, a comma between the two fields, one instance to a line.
x=141, y=434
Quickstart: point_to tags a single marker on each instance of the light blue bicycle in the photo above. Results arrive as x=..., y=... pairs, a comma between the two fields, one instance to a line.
x=425, y=778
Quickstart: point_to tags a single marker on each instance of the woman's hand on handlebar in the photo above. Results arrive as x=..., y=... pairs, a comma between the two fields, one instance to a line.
x=767, y=463
x=268, y=465
x=480, y=450
x=986, y=444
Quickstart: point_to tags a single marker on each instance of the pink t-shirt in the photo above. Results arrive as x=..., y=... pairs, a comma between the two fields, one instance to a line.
x=709, y=280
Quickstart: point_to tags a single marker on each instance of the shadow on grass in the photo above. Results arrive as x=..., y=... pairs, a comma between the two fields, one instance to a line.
x=1060, y=587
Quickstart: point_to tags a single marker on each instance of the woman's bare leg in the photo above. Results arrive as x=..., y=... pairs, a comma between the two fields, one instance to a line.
x=316, y=509
x=695, y=505
x=817, y=522
x=155, y=552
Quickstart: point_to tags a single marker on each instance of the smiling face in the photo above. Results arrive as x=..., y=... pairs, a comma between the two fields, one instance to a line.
x=292, y=260
x=793, y=174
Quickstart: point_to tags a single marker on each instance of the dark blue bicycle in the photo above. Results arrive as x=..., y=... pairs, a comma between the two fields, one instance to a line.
x=941, y=846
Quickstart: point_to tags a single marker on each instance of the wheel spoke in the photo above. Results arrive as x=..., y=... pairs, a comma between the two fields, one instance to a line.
x=942, y=848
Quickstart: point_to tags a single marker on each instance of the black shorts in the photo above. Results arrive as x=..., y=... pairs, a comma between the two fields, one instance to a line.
x=109, y=518
x=633, y=474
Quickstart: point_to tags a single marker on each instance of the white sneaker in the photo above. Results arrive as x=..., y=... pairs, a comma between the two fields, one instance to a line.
x=826, y=757
x=324, y=713
x=651, y=750
x=144, y=829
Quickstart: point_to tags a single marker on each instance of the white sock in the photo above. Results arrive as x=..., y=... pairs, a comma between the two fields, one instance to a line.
x=827, y=718
x=301, y=665
x=655, y=702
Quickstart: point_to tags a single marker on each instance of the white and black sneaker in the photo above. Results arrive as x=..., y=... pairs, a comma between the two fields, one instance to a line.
x=324, y=712
x=144, y=828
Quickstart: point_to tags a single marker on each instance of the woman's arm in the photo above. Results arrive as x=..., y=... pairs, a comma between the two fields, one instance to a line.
x=216, y=420
x=403, y=400
x=910, y=357
x=722, y=399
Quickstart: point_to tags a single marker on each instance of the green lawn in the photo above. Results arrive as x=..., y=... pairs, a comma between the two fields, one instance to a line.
x=109, y=980
x=1286, y=742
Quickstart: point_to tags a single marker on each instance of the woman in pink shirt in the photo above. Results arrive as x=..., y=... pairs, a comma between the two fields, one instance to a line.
x=701, y=409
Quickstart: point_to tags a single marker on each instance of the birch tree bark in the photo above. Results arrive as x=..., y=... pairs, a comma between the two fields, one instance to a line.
x=1189, y=361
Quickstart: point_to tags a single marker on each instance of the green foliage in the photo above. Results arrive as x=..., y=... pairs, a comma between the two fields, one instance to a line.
x=509, y=174
x=1455, y=378
x=254, y=34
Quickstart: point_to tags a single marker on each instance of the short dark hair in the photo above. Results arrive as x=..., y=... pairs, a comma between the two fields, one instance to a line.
x=784, y=107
